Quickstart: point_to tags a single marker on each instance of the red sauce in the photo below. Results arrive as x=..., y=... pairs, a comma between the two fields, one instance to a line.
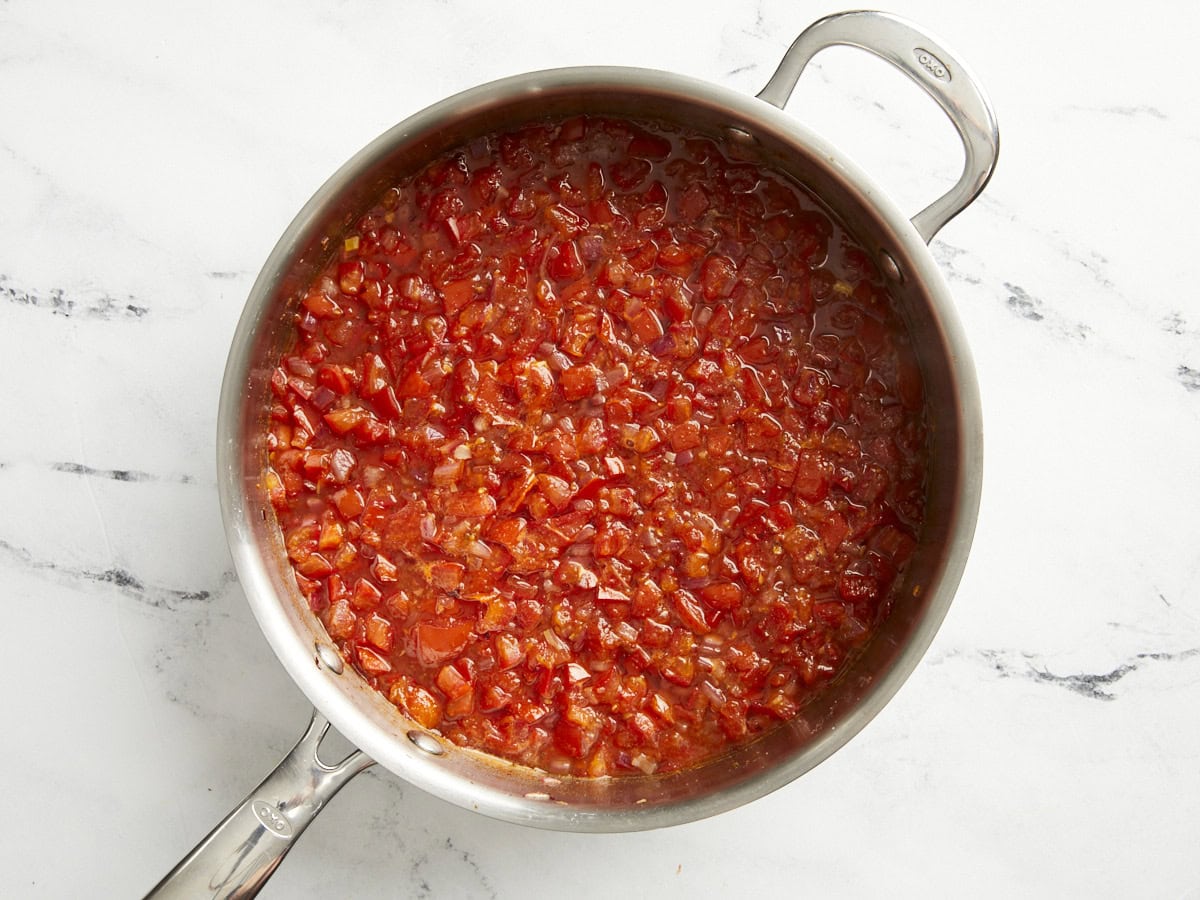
x=597, y=450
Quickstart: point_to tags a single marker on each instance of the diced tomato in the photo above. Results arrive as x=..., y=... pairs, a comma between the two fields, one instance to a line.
x=365, y=595
x=417, y=702
x=371, y=662
x=379, y=632
x=592, y=437
x=447, y=576
x=334, y=378
x=685, y=436
x=470, y=504
x=690, y=612
x=452, y=682
x=556, y=490
x=717, y=277
x=435, y=643
x=314, y=565
x=457, y=294
x=724, y=595
x=564, y=262
x=341, y=621
x=579, y=382
x=343, y=421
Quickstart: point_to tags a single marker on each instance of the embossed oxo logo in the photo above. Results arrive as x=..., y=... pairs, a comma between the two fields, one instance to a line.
x=932, y=64
x=271, y=818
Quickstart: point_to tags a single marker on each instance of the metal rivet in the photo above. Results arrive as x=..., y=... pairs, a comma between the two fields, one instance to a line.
x=890, y=267
x=426, y=742
x=329, y=658
x=741, y=135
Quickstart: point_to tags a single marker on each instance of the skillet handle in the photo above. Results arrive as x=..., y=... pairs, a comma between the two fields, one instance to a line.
x=928, y=63
x=241, y=853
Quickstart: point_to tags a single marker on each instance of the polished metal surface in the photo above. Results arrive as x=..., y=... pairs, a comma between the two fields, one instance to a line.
x=239, y=855
x=930, y=65
x=775, y=138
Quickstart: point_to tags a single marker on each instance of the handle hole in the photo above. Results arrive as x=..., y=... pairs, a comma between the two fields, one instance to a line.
x=334, y=747
x=879, y=118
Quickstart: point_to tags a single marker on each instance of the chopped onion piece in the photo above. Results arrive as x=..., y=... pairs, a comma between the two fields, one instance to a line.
x=341, y=464
x=447, y=473
x=713, y=693
x=555, y=641
x=429, y=527
x=643, y=762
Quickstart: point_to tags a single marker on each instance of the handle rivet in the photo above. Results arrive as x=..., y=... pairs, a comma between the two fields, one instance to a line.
x=426, y=742
x=739, y=135
x=330, y=658
x=889, y=266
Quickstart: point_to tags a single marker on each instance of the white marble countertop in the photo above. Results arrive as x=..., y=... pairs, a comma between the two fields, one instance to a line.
x=151, y=154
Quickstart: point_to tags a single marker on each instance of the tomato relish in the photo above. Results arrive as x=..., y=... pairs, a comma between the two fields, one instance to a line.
x=597, y=449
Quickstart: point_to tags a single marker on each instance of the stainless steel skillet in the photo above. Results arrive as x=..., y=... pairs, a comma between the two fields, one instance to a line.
x=240, y=854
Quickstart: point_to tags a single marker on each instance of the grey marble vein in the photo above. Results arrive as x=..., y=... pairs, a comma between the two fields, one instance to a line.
x=57, y=302
x=470, y=861
x=129, y=475
x=947, y=256
x=1022, y=304
x=125, y=582
x=1174, y=323
x=1093, y=685
x=1026, y=306
x=425, y=861
x=1131, y=112
x=1188, y=377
